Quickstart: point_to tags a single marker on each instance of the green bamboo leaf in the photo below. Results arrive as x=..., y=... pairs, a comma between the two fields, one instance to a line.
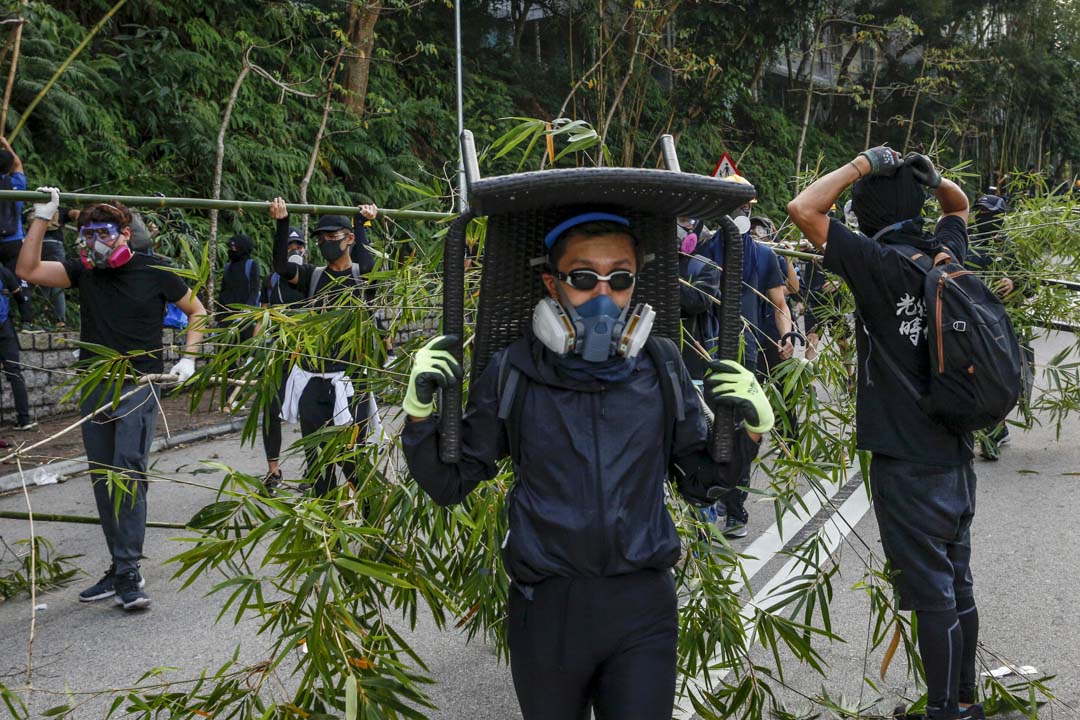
x=350, y=698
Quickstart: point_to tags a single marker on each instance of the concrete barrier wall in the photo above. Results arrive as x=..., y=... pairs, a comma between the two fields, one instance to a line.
x=48, y=363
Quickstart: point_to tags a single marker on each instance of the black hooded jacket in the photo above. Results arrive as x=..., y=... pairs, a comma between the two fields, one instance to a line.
x=588, y=493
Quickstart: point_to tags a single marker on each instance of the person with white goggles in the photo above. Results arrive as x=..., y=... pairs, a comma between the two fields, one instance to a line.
x=122, y=307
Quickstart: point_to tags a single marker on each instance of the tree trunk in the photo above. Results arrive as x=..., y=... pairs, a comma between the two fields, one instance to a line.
x=318, y=140
x=806, y=106
x=219, y=161
x=519, y=13
x=870, y=106
x=363, y=14
x=914, y=105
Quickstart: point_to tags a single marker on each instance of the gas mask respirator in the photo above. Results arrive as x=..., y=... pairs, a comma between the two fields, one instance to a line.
x=596, y=330
x=99, y=246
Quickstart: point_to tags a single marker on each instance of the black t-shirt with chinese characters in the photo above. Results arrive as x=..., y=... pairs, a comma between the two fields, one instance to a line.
x=124, y=308
x=888, y=292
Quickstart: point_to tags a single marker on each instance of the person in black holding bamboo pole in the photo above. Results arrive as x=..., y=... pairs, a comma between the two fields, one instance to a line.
x=122, y=307
x=320, y=392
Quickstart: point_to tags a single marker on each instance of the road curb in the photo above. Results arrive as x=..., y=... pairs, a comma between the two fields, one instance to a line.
x=76, y=466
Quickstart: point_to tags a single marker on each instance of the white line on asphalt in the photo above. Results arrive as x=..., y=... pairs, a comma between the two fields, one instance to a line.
x=772, y=541
x=837, y=527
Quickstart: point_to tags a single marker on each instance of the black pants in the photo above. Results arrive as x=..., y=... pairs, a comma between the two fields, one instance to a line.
x=9, y=358
x=316, y=411
x=119, y=439
x=603, y=643
x=271, y=427
x=9, y=257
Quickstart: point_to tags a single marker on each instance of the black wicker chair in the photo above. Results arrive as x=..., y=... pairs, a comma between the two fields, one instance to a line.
x=522, y=208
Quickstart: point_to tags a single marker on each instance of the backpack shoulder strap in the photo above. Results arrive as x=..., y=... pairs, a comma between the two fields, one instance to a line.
x=355, y=270
x=666, y=356
x=315, y=277
x=511, y=404
x=920, y=259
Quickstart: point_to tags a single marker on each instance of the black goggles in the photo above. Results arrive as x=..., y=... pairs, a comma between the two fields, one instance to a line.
x=587, y=279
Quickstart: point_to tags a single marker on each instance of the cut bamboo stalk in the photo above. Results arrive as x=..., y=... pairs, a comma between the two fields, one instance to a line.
x=79, y=519
x=143, y=201
x=11, y=76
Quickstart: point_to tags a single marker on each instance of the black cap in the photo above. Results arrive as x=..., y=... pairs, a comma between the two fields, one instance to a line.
x=991, y=203
x=329, y=223
x=295, y=236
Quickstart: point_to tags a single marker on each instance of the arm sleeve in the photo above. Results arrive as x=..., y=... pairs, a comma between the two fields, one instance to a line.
x=698, y=478
x=952, y=232
x=850, y=255
x=483, y=443
x=282, y=266
x=173, y=287
x=74, y=268
x=361, y=248
x=771, y=277
x=706, y=285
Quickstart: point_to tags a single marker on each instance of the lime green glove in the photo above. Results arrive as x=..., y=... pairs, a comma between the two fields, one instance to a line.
x=433, y=367
x=729, y=383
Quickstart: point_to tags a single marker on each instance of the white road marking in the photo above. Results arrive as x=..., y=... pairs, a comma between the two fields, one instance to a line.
x=837, y=527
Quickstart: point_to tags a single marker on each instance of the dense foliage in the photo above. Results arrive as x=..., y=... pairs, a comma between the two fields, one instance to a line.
x=986, y=86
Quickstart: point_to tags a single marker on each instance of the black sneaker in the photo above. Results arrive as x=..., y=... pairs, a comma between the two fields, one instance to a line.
x=129, y=592
x=102, y=589
x=273, y=481
x=26, y=425
x=734, y=527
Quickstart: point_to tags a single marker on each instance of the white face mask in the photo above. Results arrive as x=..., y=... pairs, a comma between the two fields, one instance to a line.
x=743, y=224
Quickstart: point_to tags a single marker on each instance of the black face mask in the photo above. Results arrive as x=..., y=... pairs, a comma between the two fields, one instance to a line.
x=331, y=250
x=235, y=255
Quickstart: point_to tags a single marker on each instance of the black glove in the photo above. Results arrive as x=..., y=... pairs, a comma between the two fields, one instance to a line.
x=883, y=160
x=700, y=481
x=923, y=170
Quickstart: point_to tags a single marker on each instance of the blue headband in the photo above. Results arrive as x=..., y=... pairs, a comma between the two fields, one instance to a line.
x=553, y=236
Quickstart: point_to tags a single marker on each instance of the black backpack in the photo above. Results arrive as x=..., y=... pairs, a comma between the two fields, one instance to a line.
x=976, y=367
x=9, y=216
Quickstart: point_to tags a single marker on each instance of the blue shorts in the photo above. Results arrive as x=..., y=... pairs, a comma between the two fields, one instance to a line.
x=924, y=515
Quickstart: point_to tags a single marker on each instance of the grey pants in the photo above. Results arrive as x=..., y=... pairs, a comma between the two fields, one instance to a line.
x=118, y=439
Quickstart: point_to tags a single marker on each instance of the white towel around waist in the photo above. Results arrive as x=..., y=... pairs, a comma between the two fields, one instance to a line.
x=294, y=388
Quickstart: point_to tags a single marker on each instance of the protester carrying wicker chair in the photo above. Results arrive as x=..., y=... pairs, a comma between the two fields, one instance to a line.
x=578, y=378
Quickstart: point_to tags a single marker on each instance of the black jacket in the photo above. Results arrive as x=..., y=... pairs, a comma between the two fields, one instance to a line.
x=588, y=496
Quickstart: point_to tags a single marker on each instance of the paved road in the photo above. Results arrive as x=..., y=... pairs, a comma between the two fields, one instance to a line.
x=1025, y=564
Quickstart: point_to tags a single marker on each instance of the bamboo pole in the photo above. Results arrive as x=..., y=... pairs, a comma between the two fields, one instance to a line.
x=79, y=519
x=142, y=201
x=11, y=76
x=63, y=68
